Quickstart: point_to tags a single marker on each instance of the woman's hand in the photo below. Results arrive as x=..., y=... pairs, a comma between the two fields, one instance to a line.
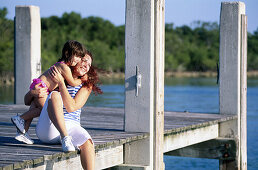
x=56, y=75
x=39, y=91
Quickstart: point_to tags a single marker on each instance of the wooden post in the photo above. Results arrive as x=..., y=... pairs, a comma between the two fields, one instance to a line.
x=159, y=44
x=27, y=49
x=139, y=60
x=144, y=81
x=243, y=97
x=233, y=78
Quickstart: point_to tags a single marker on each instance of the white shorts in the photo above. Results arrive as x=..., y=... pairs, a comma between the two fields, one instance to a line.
x=47, y=132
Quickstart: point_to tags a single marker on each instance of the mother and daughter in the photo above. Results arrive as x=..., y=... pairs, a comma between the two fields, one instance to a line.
x=57, y=96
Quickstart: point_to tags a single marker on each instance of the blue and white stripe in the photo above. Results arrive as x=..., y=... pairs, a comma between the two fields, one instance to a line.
x=73, y=116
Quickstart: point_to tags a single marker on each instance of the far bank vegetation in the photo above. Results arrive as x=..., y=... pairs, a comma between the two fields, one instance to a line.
x=189, y=50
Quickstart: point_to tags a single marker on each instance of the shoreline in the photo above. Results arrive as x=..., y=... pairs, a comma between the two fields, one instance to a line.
x=8, y=79
x=250, y=74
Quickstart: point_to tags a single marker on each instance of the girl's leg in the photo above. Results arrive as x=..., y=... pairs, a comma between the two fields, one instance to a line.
x=55, y=113
x=22, y=122
x=27, y=124
x=35, y=109
x=87, y=155
x=29, y=115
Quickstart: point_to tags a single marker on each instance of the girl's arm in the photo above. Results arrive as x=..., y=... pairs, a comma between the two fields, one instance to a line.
x=67, y=74
x=71, y=104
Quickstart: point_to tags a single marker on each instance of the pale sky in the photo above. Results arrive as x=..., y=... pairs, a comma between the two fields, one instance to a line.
x=179, y=12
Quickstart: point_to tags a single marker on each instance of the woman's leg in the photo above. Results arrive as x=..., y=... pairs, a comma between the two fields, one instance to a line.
x=55, y=113
x=45, y=129
x=87, y=155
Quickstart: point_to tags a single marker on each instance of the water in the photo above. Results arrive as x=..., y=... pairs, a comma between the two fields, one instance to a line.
x=6, y=94
x=182, y=94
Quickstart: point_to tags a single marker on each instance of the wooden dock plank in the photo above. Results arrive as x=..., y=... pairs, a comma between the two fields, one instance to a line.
x=105, y=125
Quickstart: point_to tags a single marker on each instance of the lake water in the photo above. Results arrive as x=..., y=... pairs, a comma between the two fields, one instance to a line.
x=182, y=94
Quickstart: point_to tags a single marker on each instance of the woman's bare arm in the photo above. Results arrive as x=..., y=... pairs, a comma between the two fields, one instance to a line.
x=71, y=104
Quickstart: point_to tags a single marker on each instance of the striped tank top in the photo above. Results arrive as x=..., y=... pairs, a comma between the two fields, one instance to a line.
x=73, y=116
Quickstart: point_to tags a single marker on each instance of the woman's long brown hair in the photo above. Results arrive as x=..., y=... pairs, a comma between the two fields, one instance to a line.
x=93, y=78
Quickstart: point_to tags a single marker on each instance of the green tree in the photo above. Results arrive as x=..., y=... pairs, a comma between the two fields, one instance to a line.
x=194, y=48
x=252, y=55
x=6, y=43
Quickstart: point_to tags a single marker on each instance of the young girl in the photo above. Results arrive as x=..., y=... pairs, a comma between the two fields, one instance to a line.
x=72, y=53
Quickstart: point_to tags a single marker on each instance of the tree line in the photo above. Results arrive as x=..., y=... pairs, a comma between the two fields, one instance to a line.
x=194, y=48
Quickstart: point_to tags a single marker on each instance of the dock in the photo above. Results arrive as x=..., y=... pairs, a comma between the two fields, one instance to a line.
x=106, y=126
x=138, y=135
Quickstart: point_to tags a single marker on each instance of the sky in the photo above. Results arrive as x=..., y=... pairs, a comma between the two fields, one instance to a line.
x=179, y=12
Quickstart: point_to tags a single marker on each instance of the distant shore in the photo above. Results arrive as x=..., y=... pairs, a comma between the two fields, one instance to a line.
x=8, y=79
x=178, y=74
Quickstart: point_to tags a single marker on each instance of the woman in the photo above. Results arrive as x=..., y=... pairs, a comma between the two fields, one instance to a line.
x=56, y=124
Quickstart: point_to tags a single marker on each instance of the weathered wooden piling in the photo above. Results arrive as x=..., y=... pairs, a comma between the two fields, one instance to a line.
x=227, y=140
x=233, y=57
x=144, y=81
x=159, y=67
x=27, y=49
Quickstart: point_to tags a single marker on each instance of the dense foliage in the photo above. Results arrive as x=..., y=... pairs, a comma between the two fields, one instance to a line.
x=187, y=48
x=6, y=43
